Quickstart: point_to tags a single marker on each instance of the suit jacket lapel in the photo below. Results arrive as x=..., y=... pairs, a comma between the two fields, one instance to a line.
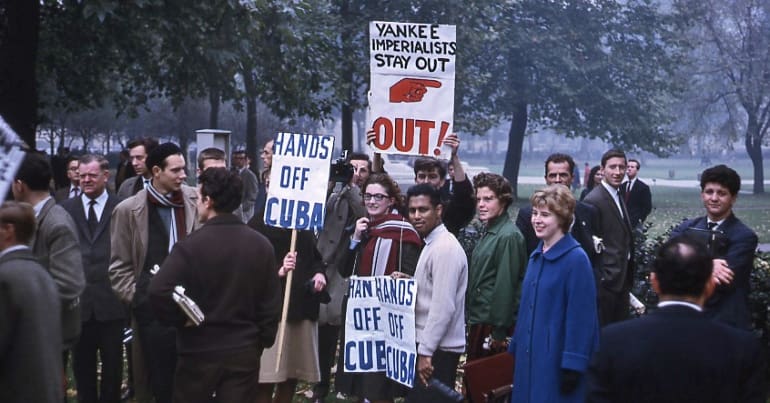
x=625, y=220
x=108, y=207
x=82, y=221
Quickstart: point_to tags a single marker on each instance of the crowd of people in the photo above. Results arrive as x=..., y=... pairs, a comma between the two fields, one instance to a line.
x=82, y=262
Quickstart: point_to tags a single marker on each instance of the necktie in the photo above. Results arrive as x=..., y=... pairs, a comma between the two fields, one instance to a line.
x=711, y=225
x=92, y=220
x=628, y=191
x=75, y=192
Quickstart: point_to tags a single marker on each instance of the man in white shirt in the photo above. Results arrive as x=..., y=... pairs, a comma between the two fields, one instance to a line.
x=441, y=276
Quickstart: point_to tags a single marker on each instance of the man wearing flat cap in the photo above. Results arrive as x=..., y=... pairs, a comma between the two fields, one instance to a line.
x=143, y=230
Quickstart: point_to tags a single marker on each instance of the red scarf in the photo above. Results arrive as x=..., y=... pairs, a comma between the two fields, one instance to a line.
x=381, y=251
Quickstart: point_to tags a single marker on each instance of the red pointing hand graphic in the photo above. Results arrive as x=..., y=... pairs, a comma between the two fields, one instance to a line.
x=411, y=89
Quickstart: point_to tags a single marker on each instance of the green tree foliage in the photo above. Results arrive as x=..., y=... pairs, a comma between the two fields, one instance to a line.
x=597, y=69
x=730, y=68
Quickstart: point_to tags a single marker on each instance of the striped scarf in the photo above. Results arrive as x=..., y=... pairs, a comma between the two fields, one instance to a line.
x=381, y=254
x=174, y=201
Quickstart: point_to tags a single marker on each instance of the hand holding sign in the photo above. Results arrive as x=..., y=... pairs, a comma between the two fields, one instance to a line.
x=411, y=89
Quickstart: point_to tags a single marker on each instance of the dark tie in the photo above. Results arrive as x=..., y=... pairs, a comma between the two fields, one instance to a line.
x=93, y=222
x=628, y=191
x=711, y=225
x=75, y=192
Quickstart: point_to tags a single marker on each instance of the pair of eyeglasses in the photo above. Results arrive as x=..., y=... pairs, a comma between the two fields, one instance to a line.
x=377, y=196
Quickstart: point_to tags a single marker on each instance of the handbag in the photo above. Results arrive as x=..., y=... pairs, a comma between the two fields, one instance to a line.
x=489, y=379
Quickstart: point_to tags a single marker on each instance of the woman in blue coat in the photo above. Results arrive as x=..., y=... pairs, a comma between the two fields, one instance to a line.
x=557, y=329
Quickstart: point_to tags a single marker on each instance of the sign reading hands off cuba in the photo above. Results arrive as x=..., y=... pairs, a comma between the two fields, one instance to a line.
x=412, y=86
x=299, y=177
x=379, y=327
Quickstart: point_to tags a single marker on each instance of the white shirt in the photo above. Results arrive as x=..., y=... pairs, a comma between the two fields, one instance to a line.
x=681, y=303
x=12, y=248
x=101, y=201
x=614, y=194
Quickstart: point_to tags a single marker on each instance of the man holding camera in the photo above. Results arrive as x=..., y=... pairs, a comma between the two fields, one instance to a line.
x=343, y=207
x=731, y=244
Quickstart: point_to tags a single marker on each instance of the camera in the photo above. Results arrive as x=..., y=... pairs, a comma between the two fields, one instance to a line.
x=341, y=169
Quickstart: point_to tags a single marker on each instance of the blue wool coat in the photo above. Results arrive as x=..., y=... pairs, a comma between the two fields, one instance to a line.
x=557, y=325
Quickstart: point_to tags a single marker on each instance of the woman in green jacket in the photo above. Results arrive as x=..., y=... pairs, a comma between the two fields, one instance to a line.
x=496, y=268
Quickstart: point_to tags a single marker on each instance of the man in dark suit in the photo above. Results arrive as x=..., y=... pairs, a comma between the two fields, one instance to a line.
x=677, y=354
x=732, y=245
x=559, y=169
x=30, y=336
x=250, y=184
x=636, y=195
x=102, y=313
x=138, y=150
x=228, y=269
x=73, y=190
x=615, y=273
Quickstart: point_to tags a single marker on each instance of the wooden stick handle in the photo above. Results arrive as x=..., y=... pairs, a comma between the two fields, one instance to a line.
x=285, y=311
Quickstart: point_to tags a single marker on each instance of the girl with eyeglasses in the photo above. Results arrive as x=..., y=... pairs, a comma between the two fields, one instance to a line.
x=397, y=246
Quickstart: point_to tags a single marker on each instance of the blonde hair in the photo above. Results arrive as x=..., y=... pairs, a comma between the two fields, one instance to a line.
x=559, y=200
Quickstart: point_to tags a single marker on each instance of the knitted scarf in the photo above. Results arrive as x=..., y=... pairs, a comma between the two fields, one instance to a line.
x=175, y=201
x=381, y=253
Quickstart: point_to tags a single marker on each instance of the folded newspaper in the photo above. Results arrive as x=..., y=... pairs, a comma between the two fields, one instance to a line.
x=189, y=307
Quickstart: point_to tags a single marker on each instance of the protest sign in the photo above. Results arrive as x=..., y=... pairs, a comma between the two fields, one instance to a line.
x=299, y=178
x=412, y=86
x=11, y=155
x=379, y=327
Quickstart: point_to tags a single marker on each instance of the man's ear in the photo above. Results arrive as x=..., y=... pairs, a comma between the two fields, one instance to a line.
x=708, y=289
x=155, y=170
x=654, y=282
x=440, y=209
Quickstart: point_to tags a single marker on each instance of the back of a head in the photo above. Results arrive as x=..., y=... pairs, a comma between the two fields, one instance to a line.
x=22, y=217
x=223, y=187
x=682, y=267
x=35, y=171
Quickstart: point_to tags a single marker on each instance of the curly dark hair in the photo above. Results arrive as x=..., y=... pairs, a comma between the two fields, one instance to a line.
x=723, y=175
x=496, y=183
x=223, y=187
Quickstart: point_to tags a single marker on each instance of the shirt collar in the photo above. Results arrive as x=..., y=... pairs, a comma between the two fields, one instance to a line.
x=680, y=303
x=13, y=248
x=440, y=229
x=101, y=199
x=39, y=206
x=612, y=190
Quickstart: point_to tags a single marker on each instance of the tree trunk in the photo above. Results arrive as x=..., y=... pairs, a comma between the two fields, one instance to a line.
x=515, y=146
x=214, y=111
x=251, y=121
x=18, y=56
x=754, y=149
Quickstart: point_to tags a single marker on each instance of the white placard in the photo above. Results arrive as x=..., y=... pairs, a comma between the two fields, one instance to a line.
x=379, y=327
x=412, y=87
x=299, y=177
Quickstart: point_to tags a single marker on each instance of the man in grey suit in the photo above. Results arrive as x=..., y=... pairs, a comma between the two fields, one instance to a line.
x=55, y=243
x=103, y=315
x=30, y=339
x=250, y=184
x=615, y=273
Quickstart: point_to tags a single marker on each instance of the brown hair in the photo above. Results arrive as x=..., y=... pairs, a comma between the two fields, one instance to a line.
x=559, y=200
x=22, y=217
x=391, y=187
x=496, y=183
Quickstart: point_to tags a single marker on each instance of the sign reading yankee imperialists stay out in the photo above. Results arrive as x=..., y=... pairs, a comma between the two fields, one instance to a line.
x=411, y=98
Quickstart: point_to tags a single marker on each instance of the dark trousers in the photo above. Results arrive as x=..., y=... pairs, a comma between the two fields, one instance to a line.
x=105, y=340
x=159, y=352
x=233, y=375
x=444, y=370
x=613, y=306
x=328, y=336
